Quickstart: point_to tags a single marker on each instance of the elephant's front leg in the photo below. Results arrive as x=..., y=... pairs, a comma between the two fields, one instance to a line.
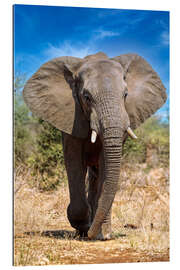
x=78, y=211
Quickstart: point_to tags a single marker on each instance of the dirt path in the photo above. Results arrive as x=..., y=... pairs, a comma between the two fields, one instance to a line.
x=37, y=250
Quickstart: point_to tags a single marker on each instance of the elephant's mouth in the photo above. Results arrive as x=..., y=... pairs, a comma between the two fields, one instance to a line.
x=129, y=131
x=92, y=151
x=93, y=147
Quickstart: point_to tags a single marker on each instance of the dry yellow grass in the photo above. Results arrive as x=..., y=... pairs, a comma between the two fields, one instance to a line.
x=140, y=223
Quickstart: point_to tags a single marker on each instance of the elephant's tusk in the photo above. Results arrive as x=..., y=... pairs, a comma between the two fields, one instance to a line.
x=93, y=136
x=131, y=133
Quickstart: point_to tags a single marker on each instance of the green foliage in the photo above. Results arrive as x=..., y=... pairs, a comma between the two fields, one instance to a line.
x=48, y=161
x=19, y=81
x=23, y=140
x=151, y=146
x=134, y=151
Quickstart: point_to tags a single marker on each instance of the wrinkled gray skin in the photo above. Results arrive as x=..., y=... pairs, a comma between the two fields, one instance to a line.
x=101, y=94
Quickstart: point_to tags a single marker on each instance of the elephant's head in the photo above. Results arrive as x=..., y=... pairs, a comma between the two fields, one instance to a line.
x=103, y=96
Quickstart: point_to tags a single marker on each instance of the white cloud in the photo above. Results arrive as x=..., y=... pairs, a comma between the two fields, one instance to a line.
x=165, y=32
x=100, y=34
x=165, y=38
x=79, y=49
x=67, y=49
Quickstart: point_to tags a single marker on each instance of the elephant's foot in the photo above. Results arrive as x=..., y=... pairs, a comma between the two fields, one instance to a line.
x=79, y=218
x=106, y=231
x=104, y=234
x=103, y=237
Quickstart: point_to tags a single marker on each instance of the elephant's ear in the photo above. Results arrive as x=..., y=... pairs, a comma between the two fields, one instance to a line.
x=146, y=93
x=49, y=95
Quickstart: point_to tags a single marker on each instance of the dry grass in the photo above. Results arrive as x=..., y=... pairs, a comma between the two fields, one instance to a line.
x=140, y=223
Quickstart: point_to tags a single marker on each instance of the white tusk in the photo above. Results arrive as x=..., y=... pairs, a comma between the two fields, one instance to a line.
x=131, y=133
x=93, y=136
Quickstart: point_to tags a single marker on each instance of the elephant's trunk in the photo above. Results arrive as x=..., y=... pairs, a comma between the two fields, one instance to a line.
x=112, y=142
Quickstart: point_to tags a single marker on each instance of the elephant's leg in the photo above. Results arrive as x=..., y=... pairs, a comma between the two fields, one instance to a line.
x=78, y=211
x=92, y=179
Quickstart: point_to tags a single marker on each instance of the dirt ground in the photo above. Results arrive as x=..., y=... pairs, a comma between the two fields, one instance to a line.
x=38, y=250
x=140, y=223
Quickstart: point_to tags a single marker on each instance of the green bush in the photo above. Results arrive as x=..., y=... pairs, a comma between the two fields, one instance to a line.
x=153, y=138
x=23, y=140
x=48, y=161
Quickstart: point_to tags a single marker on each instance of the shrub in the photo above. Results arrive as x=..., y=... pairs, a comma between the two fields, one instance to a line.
x=23, y=141
x=152, y=145
x=48, y=161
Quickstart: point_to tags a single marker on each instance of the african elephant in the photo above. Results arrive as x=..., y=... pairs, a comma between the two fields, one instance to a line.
x=95, y=101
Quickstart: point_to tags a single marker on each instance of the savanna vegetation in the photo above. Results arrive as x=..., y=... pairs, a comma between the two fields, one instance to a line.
x=140, y=217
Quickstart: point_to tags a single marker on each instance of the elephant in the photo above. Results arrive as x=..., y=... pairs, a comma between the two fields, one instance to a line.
x=96, y=102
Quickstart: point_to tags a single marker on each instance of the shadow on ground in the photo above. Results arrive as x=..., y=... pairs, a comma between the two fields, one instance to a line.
x=65, y=234
x=58, y=234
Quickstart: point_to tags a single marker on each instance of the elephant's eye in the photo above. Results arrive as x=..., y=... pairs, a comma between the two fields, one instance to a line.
x=125, y=94
x=87, y=98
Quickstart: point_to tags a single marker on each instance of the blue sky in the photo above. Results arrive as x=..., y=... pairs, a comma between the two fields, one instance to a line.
x=44, y=32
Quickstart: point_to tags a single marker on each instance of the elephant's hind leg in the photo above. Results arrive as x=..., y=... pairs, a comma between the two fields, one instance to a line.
x=92, y=180
x=78, y=211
